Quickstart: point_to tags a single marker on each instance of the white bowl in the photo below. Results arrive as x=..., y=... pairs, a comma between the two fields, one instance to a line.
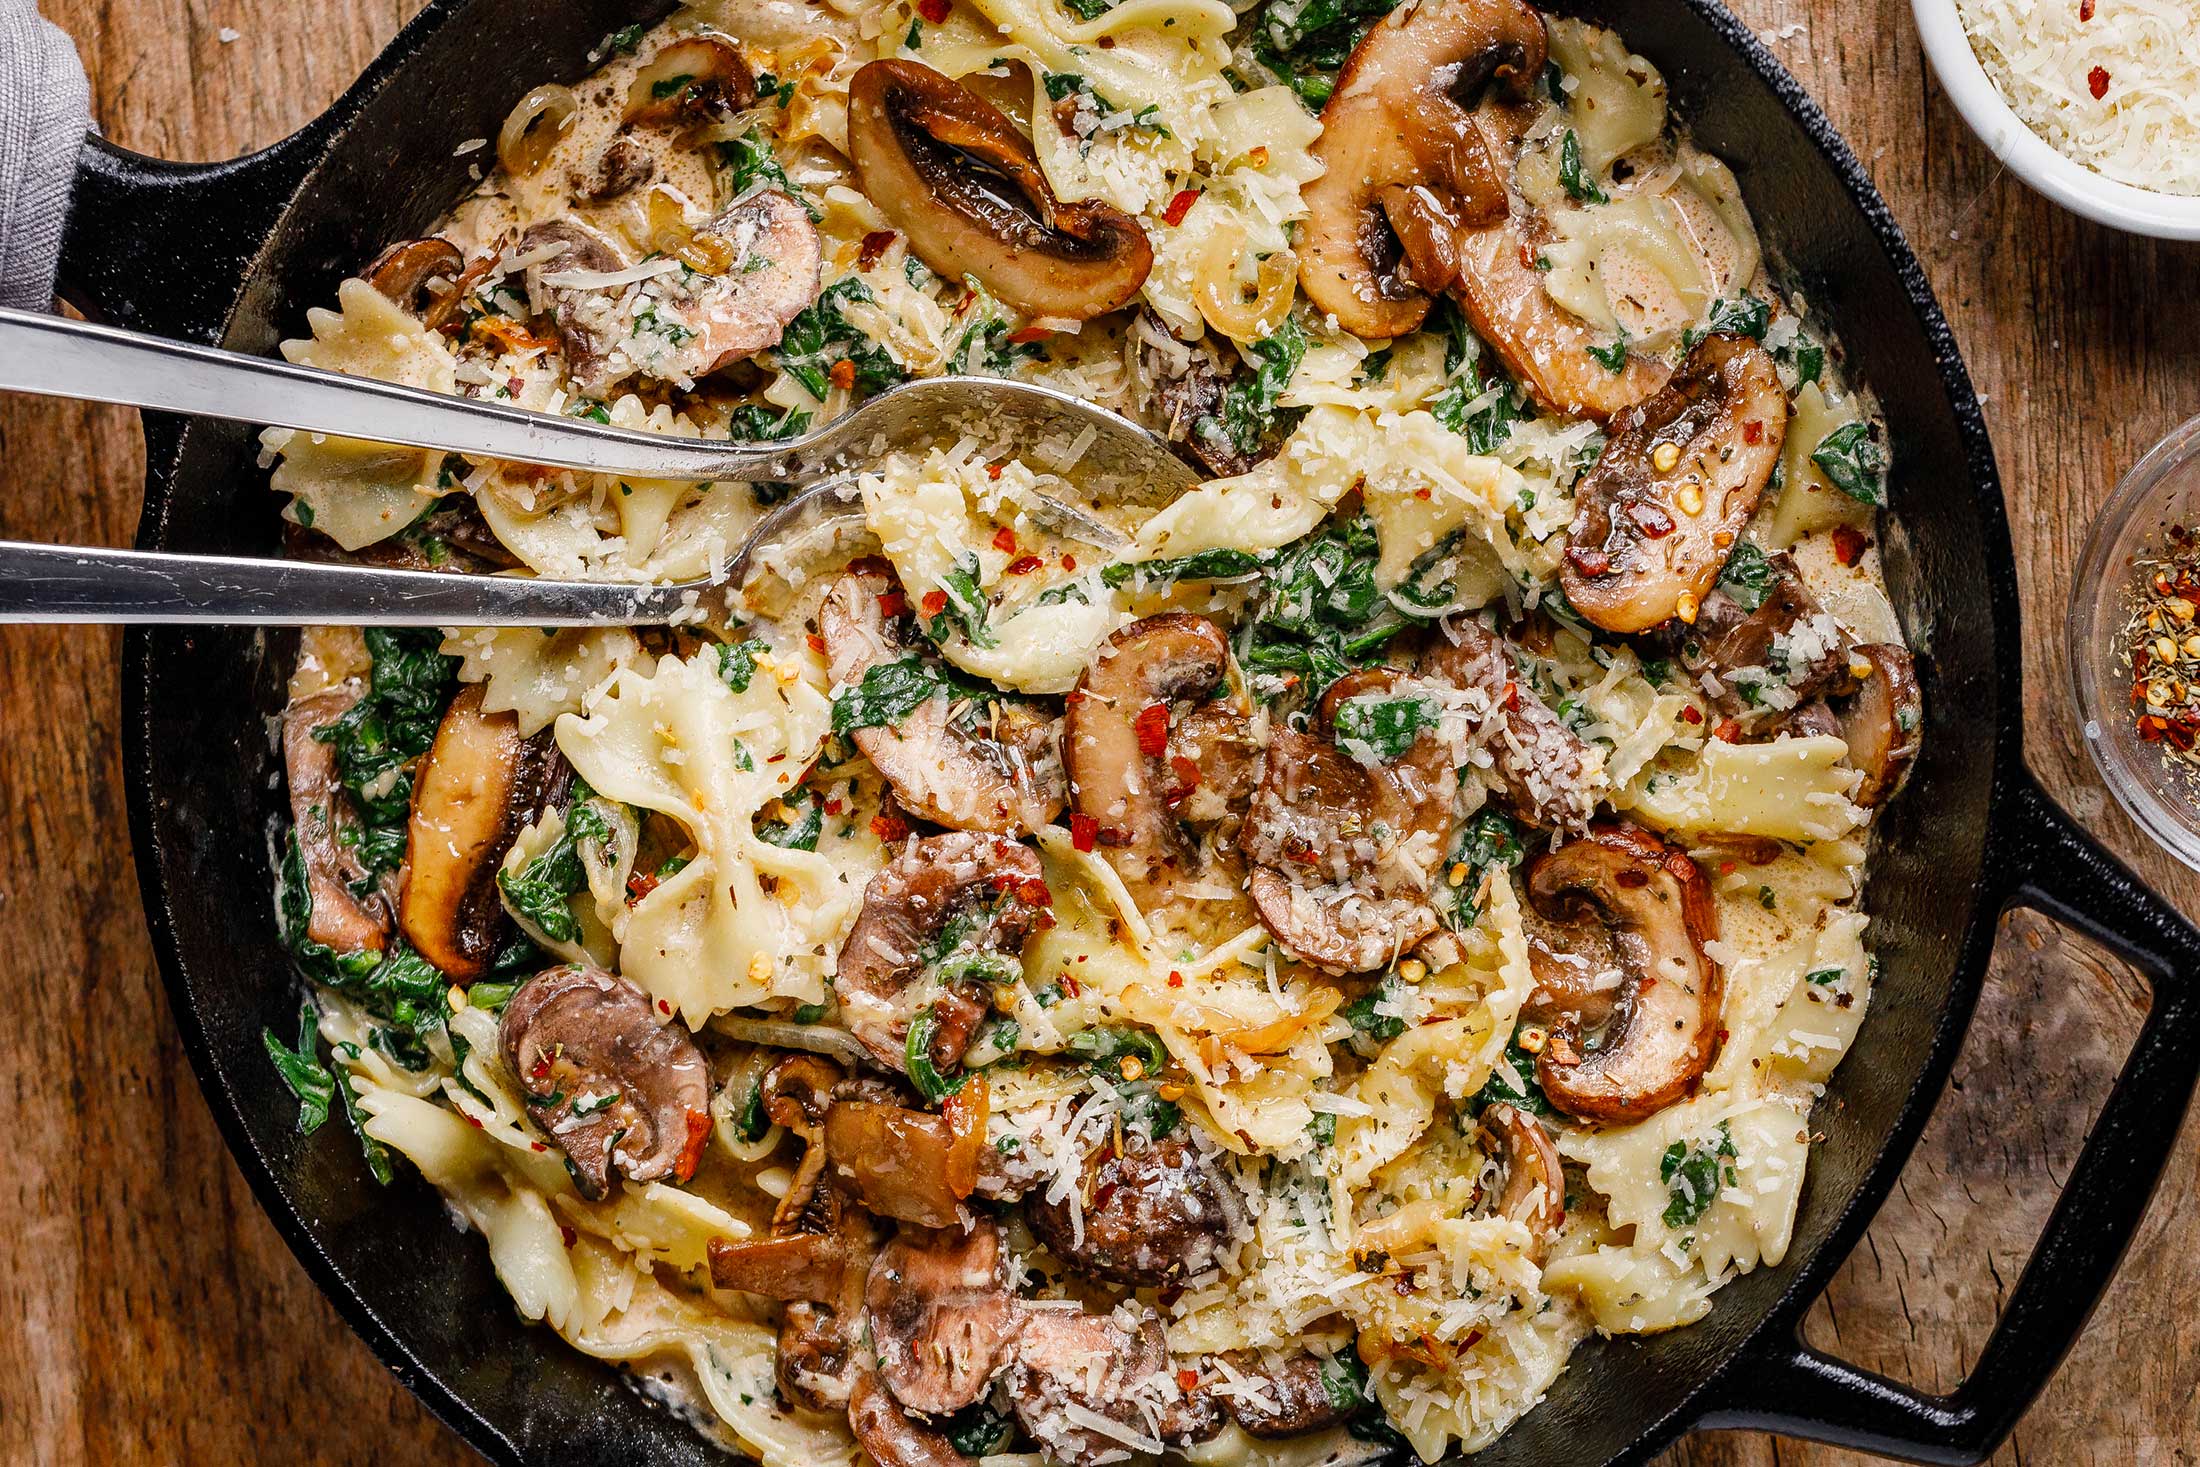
x=2030, y=156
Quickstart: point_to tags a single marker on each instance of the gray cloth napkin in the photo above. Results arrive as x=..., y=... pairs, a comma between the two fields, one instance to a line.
x=45, y=109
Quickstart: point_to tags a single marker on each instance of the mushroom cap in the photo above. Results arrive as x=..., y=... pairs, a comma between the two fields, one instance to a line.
x=1164, y=660
x=608, y=1081
x=1665, y=1030
x=1535, y=1185
x=956, y=879
x=694, y=79
x=1067, y=1357
x=340, y=920
x=954, y=174
x=402, y=271
x=1883, y=721
x=1158, y=1211
x=1633, y=551
x=1296, y=1398
x=1544, y=765
x=623, y=166
x=910, y=1165
x=943, y=1317
x=815, y=1366
x=1405, y=168
x=1006, y=781
x=1726, y=636
x=888, y=1435
x=768, y=259
x=477, y=787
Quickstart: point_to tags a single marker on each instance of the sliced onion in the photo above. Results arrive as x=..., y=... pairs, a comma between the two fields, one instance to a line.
x=833, y=1043
x=534, y=127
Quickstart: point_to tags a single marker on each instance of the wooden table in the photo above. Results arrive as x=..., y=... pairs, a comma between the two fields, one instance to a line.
x=148, y=1314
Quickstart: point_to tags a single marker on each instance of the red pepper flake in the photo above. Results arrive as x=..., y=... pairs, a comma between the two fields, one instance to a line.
x=1025, y=336
x=993, y=471
x=538, y=1146
x=935, y=12
x=1691, y=714
x=817, y=643
x=875, y=244
x=1187, y=1380
x=1084, y=831
x=1069, y=562
x=1187, y=776
x=639, y=885
x=1726, y=868
x=1024, y=565
x=2096, y=82
x=1004, y=540
x=1849, y=544
x=1728, y=731
x=889, y=827
x=1653, y=522
x=934, y=603
x=1176, y=979
x=1511, y=699
x=475, y=1123
x=1152, y=724
x=664, y=1005
x=1424, y=492
x=1753, y=431
x=568, y=1234
x=1034, y=893
x=1069, y=985
x=892, y=603
x=2085, y=10
x=842, y=375
x=1589, y=560
x=1179, y=207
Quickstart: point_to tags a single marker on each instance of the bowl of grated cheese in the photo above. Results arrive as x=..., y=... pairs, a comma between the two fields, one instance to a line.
x=2094, y=103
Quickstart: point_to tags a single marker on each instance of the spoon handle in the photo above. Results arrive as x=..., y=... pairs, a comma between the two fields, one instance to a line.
x=66, y=583
x=57, y=357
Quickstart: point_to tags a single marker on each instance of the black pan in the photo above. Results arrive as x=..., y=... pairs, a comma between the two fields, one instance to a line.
x=234, y=253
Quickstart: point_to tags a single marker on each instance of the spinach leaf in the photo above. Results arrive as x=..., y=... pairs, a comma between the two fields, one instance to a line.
x=1108, y=1048
x=752, y=161
x=1747, y=576
x=1306, y=42
x=1249, y=404
x=1489, y=839
x=1203, y=565
x=1694, y=1175
x=1320, y=613
x=1344, y=1381
x=1374, y=729
x=802, y=833
x=626, y=40
x=1500, y=1090
x=1470, y=379
x=1824, y=977
x=891, y=691
x=542, y=890
x=1743, y=315
x=1612, y=358
x=757, y=422
x=978, y=1430
x=820, y=338
x=1369, y=1013
x=1810, y=363
x=917, y=1058
x=1853, y=460
x=376, y=1154
x=1144, y=1108
x=294, y=911
x=1572, y=175
x=965, y=606
x=302, y=1070
x=737, y=663
x=385, y=731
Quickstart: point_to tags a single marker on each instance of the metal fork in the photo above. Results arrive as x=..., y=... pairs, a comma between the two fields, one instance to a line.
x=1115, y=462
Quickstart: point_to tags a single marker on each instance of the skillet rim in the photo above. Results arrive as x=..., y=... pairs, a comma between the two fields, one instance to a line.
x=164, y=442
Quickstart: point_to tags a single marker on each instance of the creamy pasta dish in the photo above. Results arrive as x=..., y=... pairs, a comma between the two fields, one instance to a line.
x=1257, y=972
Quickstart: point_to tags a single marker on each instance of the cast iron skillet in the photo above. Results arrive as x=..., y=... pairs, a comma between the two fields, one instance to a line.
x=235, y=252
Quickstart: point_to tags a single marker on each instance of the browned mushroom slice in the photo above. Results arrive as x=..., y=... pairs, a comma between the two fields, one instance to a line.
x=1069, y=1362
x=954, y=174
x=587, y=330
x=1773, y=657
x=759, y=260
x=1146, y=1212
x=1883, y=721
x=910, y=1165
x=1656, y=517
x=405, y=271
x=478, y=786
x=1115, y=738
x=1665, y=1026
x=1190, y=381
x=1543, y=764
x=623, y=166
x=606, y=1078
x=816, y=1364
x=797, y=1093
x=1578, y=972
x=339, y=918
x=887, y=1434
x=943, y=1318
x=1406, y=170
x=1535, y=1187
x=951, y=909
x=695, y=79
x=1003, y=778
x=796, y=1266
x=1295, y=1394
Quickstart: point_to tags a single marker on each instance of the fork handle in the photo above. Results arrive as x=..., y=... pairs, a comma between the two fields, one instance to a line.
x=57, y=357
x=66, y=583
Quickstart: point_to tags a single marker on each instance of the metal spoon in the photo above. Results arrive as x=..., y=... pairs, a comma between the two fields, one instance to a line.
x=1115, y=462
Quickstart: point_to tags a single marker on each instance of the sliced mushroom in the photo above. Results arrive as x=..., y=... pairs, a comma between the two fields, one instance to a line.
x=1535, y=1187
x=951, y=172
x=817, y=1360
x=340, y=919
x=1656, y=517
x=1295, y=1397
x=911, y=1165
x=1146, y=1213
x=1771, y=658
x=1543, y=764
x=1190, y=381
x=1883, y=721
x=610, y=1082
x=1214, y=764
x=941, y=925
x=797, y=1093
x=943, y=1317
x=1405, y=169
x=405, y=271
x=1069, y=1362
x=1664, y=1027
x=1003, y=778
x=622, y=167
x=695, y=79
x=887, y=1434
x=1111, y=722
x=478, y=786
x=1579, y=973
x=587, y=329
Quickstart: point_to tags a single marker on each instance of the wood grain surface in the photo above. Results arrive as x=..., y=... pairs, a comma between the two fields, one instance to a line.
x=148, y=1314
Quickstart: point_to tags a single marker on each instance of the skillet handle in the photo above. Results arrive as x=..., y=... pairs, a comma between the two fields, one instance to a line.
x=160, y=247
x=1781, y=1384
